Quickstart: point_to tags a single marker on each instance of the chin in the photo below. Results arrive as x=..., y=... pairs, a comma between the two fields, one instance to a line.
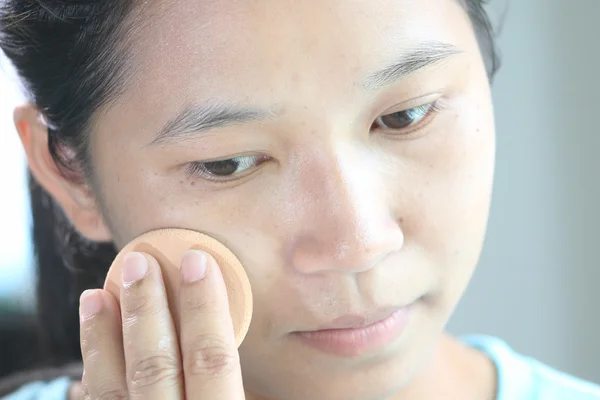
x=375, y=383
x=308, y=375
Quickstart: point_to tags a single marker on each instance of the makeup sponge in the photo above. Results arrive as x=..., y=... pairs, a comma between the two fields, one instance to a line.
x=168, y=246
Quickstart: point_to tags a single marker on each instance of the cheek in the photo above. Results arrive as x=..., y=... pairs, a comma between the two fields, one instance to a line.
x=137, y=198
x=134, y=196
x=445, y=207
x=446, y=193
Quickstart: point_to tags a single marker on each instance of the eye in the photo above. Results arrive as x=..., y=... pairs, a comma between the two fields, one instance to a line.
x=405, y=119
x=223, y=170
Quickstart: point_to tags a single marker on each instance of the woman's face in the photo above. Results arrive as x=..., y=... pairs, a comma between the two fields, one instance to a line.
x=360, y=143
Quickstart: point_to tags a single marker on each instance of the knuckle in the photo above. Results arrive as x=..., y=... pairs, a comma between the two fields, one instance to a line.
x=92, y=357
x=88, y=342
x=90, y=339
x=111, y=394
x=80, y=394
x=154, y=370
x=141, y=304
x=210, y=357
x=202, y=304
x=102, y=391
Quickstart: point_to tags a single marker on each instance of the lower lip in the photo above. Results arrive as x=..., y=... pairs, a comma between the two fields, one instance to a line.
x=357, y=341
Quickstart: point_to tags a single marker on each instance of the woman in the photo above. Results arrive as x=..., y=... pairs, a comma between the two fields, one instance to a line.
x=343, y=150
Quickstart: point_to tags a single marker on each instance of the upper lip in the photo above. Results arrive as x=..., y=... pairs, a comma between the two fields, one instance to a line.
x=359, y=320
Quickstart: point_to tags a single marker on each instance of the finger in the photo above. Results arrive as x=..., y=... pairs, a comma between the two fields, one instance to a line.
x=210, y=357
x=102, y=346
x=80, y=392
x=85, y=393
x=151, y=347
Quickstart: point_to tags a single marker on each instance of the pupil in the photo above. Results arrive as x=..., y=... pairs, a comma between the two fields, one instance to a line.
x=222, y=168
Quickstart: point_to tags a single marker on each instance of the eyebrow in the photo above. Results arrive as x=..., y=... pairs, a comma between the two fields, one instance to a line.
x=198, y=118
x=195, y=119
x=426, y=54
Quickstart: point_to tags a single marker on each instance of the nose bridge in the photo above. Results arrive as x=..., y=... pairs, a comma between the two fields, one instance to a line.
x=351, y=192
x=347, y=225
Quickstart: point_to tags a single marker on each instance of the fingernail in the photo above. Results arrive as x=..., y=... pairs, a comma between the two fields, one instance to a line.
x=90, y=304
x=193, y=266
x=135, y=267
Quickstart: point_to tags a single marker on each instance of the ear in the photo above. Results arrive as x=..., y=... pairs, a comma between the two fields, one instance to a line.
x=75, y=198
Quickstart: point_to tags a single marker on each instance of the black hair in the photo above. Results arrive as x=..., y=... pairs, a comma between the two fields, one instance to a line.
x=68, y=54
x=71, y=57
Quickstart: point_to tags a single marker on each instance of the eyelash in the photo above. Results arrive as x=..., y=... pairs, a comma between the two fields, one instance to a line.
x=248, y=162
x=200, y=169
x=429, y=111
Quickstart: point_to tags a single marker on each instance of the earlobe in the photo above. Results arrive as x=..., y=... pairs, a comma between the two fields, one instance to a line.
x=75, y=198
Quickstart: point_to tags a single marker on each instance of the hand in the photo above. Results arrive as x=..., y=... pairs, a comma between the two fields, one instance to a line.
x=134, y=352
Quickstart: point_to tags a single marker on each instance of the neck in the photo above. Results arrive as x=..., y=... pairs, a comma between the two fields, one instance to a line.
x=454, y=371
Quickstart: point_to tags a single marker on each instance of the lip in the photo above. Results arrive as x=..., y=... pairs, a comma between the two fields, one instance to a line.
x=354, y=335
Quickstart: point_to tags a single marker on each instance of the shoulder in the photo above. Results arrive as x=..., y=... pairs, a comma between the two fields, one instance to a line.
x=51, y=383
x=524, y=378
x=57, y=389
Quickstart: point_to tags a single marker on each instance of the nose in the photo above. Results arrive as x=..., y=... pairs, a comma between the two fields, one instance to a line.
x=345, y=223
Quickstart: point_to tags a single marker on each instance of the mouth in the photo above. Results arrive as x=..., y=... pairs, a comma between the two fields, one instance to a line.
x=354, y=335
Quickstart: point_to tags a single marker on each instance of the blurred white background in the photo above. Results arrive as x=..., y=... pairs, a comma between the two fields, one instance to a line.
x=538, y=283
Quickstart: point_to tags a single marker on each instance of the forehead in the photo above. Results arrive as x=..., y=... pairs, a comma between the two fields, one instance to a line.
x=260, y=40
x=271, y=53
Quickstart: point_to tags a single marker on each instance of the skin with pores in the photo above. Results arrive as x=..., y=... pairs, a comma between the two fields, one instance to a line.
x=332, y=213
